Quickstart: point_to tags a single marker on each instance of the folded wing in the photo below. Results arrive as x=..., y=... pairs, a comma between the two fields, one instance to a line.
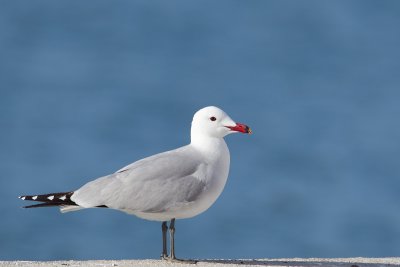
x=154, y=184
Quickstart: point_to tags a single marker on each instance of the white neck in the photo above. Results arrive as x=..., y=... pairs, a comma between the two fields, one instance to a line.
x=212, y=146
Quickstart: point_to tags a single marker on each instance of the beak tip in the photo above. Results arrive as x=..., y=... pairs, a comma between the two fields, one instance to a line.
x=242, y=128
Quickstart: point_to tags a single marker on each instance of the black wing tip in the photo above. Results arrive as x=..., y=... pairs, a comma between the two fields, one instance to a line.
x=53, y=199
x=40, y=205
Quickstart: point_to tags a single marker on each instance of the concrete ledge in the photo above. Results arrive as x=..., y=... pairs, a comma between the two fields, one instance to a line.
x=349, y=262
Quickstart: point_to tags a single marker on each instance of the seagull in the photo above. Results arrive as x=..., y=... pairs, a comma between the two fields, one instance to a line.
x=176, y=184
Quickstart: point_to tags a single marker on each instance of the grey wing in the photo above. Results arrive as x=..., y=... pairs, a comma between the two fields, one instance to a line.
x=154, y=184
x=167, y=195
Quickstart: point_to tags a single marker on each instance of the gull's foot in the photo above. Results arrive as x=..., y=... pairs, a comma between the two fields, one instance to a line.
x=175, y=260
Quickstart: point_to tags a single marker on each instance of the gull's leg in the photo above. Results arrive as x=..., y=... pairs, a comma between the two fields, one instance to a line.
x=164, y=229
x=172, y=245
x=172, y=239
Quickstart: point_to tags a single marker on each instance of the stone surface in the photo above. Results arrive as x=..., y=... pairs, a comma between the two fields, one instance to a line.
x=350, y=262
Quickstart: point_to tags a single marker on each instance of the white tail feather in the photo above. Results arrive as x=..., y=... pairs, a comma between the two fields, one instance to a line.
x=65, y=209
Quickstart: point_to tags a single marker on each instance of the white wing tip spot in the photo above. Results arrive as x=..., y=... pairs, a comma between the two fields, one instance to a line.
x=23, y=198
x=34, y=197
x=50, y=197
x=63, y=197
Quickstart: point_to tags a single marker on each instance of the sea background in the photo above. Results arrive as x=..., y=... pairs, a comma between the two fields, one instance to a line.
x=87, y=87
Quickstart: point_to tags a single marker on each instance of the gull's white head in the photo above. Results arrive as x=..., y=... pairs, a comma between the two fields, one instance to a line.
x=214, y=122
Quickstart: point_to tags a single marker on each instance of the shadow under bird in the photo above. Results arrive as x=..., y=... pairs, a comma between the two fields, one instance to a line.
x=176, y=184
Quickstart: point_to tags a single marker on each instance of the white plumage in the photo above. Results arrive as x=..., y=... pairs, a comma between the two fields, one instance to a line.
x=180, y=183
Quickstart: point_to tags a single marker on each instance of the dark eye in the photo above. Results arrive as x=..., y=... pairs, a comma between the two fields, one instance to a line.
x=213, y=119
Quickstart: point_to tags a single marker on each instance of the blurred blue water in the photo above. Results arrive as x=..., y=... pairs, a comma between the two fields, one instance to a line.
x=87, y=87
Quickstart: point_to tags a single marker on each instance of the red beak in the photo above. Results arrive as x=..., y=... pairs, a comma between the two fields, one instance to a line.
x=239, y=127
